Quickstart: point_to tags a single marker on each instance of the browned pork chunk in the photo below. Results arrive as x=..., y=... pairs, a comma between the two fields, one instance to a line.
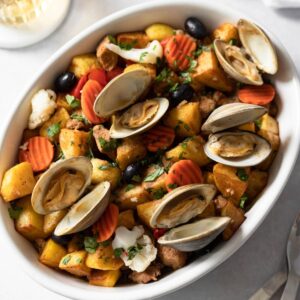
x=172, y=257
x=107, y=59
x=150, y=274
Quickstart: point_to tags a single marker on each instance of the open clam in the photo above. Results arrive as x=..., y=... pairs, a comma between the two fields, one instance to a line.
x=121, y=92
x=194, y=236
x=237, y=149
x=258, y=46
x=138, y=118
x=61, y=185
x=231, y=115
x=86, y=211
x=182, y=204
x=235, y=63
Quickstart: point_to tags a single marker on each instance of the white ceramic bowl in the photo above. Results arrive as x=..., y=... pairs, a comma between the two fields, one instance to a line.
x=173, y=12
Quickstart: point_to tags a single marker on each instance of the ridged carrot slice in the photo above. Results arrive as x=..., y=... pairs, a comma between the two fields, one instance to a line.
x=76, y=92
x=259, y=95
x=88, y=96
x=107, y=224
x=182, y=173
x=114, y=73
x=39, y=153
x=165, y=41
x=178, y=50
x=159, y=137
x=98, y=75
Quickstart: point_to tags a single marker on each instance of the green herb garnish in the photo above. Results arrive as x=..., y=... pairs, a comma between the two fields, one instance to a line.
x=79, y=118
x=127, y=46
x=174, y=87
x=129, y=187
x=104, y=243
x=243, y=200
x=110, y=145
x=153, y=176
x=112, y=39
x=90, y=244
x=136, y=178
x=164, y=74
x=66, y=260
x=186, y=76
x=108, y=166
x=133, y=251
x=118, y=252
x=158, y=194
x=79, y=260
x=53, y=130
x=242, y=175
x=143, y=55
x=258, y=123
x=14, y=212
x=172, y=186
x=72, y=101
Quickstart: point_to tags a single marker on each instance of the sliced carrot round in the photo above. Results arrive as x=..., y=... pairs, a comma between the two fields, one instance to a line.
x=90, y=91
x=259, y=95
x=179, y=51
x=159, y=138
x=39, y=153
x=76, y=92
x=107, y=224
x=182, y=173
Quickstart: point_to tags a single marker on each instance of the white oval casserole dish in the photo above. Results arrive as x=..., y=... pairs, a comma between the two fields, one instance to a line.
x=173, y=12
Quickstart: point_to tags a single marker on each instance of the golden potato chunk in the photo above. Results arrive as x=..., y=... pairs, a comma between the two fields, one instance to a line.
x=29, y=223
x=145, y=211
x=226, y=32
x=52, y=254
x=51, y=220
x=74, y=263
x=159, y=31
x=104, y=278
x=247, y=127
x=126, y=218
x=17, y=182
x=132, y=149
x=130, y=196
x=104, y=259
x=133, y=39
x=256, y=183
x=105, y=171
x=191, y=148
x=60, y=119
x=231, y=182
x=83, y=63
x=151, y=69
x=73, y=142
x=209, y=72
x=185, y=119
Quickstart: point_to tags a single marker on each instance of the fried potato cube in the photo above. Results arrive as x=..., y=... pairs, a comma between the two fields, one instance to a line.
x=74, y=263
x=52, y=254
x=145, y=211
x=185, y=119
x=60, y=117
x=247, y=127
x=73, y=142
x=132, y=149
x=210, y=73
x=159, y=31
x=103, y=259
x=256, y=183
x=83, y=63
x=29, y=223
x=17, y=182
x=151, y=69
x=104, y=278
x=130, y=196
x=191, y=148
x=51, y=220
x=126, y=218
x=105, y=171
x=226, y=32
x=134, y=39
x=229, y=183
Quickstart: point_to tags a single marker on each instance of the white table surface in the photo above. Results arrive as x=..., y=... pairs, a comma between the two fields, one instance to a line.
x=251, y=265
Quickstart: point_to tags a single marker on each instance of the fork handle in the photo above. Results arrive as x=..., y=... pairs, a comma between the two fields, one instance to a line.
x=291, y=287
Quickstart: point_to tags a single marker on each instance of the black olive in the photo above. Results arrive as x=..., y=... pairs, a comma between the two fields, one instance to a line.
x=62, y=240
x=131, y=171
x=195, y=28
x=65, y=82
x=182, y=92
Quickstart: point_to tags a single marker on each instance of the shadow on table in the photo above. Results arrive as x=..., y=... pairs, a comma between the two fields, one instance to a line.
x=290, y=13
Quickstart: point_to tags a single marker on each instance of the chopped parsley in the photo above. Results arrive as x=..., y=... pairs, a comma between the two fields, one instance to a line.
x=79, y=260
x=242, y=175
x=129, y=187
x=174, y=87
x=72, y=101
x=153, y=176
x=127, y=46
x=186, y=76
x=90, y=244
x=110, y=145
x=192, y=66
x=172, y=186
x=258, y=123
x=181, y=155
x=66, y=260
x=112, y=39
x=133, y=251
x=53, y=130
x=158, y=194
x=136, y=178
x=243, y=200
x=14, y=212
x=79, y=118
x=104, y=243
x=118, y=252
x=154, y=47
x=163, y=75
x=108, y=166
x=186, y=127
x=142, y=56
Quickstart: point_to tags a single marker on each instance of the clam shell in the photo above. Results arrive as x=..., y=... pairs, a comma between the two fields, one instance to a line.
x=231, y=115
x=253, y=78
x=118, y=131
x=258, y=46
x=261, y=151
x=205, y=191
x=86, y=211
x=81, y=164
x=121, y=92
x=194, y=236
